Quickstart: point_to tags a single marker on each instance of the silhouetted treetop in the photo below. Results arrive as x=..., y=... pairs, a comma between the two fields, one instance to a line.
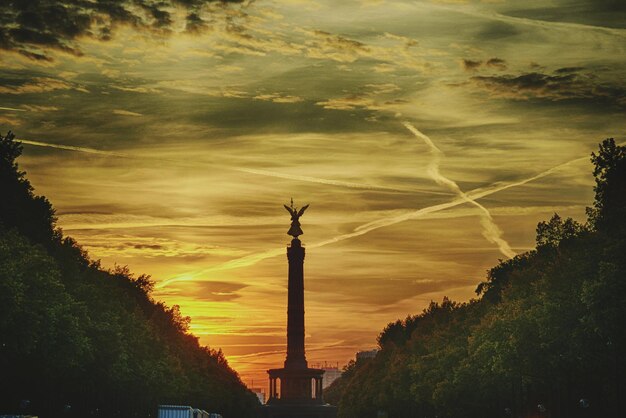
x=32, y=215
x=546, y=337
x=74, y=333
x=552, y=232
x=609, y=207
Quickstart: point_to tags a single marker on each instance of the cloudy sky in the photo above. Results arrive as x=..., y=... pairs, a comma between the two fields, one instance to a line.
x=429, y=137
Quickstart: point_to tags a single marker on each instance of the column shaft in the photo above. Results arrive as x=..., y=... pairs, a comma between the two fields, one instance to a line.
x=295, y=307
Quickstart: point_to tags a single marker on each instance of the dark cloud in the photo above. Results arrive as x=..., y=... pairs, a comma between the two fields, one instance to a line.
x=536, y=66
x=148, y=246
x=561, y=85
x=567, y=70
x=497, y=30
x=31, y=27
x=34, y=85
x=195, y=23
x=471, y=65
x=494, y=63
x=340, y=42
x=497, y=63
x=211, y=291
x=604, y=6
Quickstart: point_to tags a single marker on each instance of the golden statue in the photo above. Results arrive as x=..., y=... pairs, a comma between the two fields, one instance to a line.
x=295, y=229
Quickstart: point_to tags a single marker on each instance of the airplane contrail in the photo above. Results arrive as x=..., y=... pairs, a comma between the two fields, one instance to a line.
x=329, y=182
x=73, y=148
x=475, y=194
x=491, y=231
x=265, y=173
x=244, y=261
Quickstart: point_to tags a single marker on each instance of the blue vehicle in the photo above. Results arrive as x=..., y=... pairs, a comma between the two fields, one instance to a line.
x=175, y=411
x=183, y=411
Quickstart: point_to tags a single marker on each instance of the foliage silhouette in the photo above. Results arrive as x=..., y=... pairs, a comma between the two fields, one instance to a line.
x=72, y=333
x=547, y=330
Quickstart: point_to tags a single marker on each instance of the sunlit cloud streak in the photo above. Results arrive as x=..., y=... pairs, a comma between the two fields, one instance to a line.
x=491, y=231
x=319, y=347
x=475, y=194
x=265, y=173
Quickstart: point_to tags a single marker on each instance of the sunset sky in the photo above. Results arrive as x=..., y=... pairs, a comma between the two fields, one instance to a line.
x=169, y=137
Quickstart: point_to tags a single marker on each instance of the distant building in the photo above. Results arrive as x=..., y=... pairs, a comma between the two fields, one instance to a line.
x=260, y=394
x=365, y=355
x=331, y=374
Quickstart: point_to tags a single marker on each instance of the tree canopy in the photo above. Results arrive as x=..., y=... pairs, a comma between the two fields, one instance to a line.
x=77, y=340
x=545, y=337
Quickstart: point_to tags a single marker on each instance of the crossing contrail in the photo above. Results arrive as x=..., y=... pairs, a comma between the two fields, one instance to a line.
x=329, y=182
x=359, y=231
x=475, y=194
x=265, y=173
x=491, y=231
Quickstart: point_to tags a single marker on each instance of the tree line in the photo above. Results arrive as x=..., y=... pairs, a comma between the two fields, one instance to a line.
x=78, y=340
x=545, y=337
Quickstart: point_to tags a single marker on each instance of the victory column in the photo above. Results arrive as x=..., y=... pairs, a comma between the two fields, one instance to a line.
x=296, y=390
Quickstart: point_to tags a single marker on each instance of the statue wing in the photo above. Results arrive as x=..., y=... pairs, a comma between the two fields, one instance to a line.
x=289, y=209
x=302, y=210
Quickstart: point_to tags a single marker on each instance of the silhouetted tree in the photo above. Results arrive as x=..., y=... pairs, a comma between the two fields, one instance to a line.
x=72, y=333
x=32, y=215
x=609, y=207
x=548, y=330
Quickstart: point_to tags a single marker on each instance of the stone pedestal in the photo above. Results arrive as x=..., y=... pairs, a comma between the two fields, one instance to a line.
x=296, y=386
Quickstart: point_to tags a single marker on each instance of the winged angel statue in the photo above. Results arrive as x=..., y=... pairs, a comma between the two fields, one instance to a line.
x=295, y=229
